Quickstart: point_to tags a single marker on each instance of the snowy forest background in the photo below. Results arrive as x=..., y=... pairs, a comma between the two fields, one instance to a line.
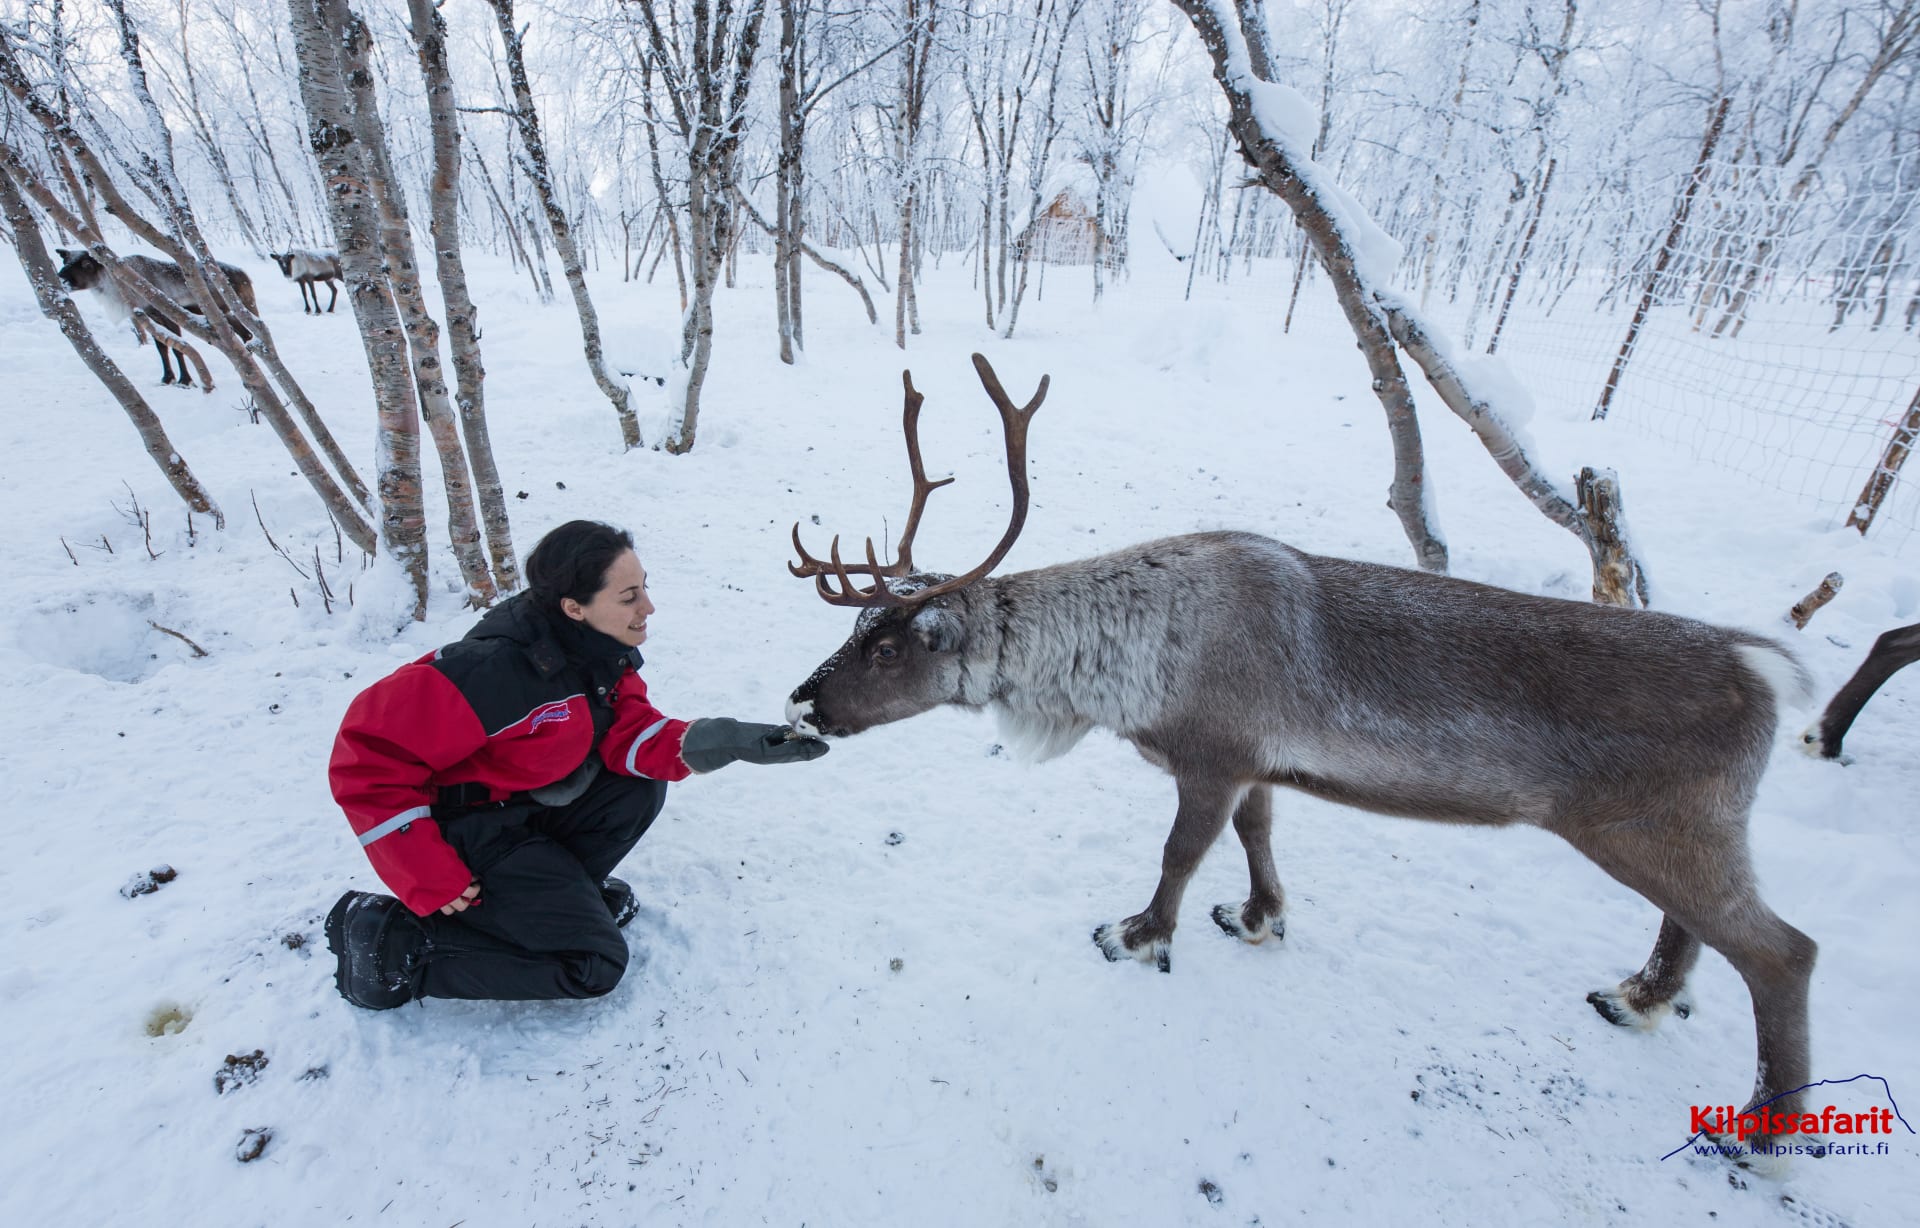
x=660, y=263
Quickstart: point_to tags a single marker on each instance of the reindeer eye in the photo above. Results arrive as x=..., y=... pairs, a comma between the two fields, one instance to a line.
x=885, y=652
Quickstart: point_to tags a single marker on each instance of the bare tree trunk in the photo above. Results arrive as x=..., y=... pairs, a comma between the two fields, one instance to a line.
x=1520, y=257
x=660, y=185
x=646, y=242
x=527, y=119
x=1241, y=58
x=707, y=84
x=1897, y=39
x=44, y=276
x=986, y=252
x=785, y=267
x=1716, y=124
x=515, y=248
x=227, y=316
x=1906, y=436
x=209, y=143
x=463, y=332
x=696, y=346
x=355, y=44
x=807, y=250
x=1618, y=578
x=225, y=310
x=914, y=50
x=258, y=130
x=1448, y=118
x=345, y=166
x=793, y=143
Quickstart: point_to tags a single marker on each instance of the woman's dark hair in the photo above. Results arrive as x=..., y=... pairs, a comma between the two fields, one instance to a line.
x=572, y=561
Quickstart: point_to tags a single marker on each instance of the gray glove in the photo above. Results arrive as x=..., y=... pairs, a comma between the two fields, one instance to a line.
x=715, y=741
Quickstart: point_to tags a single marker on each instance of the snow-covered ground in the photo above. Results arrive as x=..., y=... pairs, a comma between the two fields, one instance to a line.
x=863, y=991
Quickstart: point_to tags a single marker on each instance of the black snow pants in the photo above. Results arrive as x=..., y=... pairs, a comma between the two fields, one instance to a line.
x=541, y=929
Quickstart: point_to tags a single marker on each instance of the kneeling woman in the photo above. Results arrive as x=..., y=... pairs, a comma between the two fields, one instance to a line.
x=496, y=783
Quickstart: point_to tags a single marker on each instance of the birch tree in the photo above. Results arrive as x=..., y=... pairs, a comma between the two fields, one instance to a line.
x=1273, y=127
x=526, y=119
x=703, y=58
x=919, y=19
x=67, y=201
x=345, y=166
x=354, y=44
x=443, y=196
x=1112, y=120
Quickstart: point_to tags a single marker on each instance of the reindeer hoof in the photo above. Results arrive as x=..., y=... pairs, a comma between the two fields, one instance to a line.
x=1232, y=921
x=1156, y=951
x=1610, y=1007
x=1741, y=1157
x=1617, y=1010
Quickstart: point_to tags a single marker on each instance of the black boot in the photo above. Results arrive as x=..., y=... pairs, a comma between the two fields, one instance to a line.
x=381, y=948
x=620, y=901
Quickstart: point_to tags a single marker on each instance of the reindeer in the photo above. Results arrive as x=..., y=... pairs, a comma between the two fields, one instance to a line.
x=1891, y=653
x=81, y=271
x=1237, y=663
x=306, y=267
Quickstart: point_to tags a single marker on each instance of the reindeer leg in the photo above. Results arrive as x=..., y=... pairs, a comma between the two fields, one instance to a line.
x=166, y=366
x=1205, y=803
x=333, y=291
x=186, y=373
x=1892, y=652
x=1703, y=881
x=1643, y=999
x=1261, y=916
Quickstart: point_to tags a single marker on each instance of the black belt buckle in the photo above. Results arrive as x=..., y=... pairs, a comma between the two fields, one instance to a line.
x=463, y=798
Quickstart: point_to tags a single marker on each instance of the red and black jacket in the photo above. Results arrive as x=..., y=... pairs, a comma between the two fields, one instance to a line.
x=520, y=702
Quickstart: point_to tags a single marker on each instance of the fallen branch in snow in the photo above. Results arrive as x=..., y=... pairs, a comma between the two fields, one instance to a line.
x=1804, y=609
x=197, y=650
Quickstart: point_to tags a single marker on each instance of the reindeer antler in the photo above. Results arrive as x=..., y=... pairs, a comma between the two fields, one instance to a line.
x=1014, y=420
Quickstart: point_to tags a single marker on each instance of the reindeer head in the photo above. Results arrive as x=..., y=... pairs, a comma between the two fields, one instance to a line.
x=284, y=260
x=79, y=270
x=906, y=652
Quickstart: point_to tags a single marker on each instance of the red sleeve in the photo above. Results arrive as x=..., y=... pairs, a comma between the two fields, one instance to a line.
x=643, y=740
x=396, y=735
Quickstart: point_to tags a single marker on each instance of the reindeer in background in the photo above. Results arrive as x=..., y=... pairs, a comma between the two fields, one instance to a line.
x=81, y=271
x=307, y=266
x=1237, y=663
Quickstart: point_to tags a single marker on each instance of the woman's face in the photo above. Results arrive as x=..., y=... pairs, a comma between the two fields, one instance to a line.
x=620, y=609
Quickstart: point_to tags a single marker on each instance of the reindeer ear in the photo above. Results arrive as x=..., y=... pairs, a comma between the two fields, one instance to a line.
x=65, y=254
x=941, y=630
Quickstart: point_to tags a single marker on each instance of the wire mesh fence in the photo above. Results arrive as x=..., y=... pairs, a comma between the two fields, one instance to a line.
x=1778, y=339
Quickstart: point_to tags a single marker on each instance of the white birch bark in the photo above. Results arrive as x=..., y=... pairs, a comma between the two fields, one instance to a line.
x=527, y=120
x=463, y=333
x=356, y=228
x=1261, y=110
x=401, y=268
